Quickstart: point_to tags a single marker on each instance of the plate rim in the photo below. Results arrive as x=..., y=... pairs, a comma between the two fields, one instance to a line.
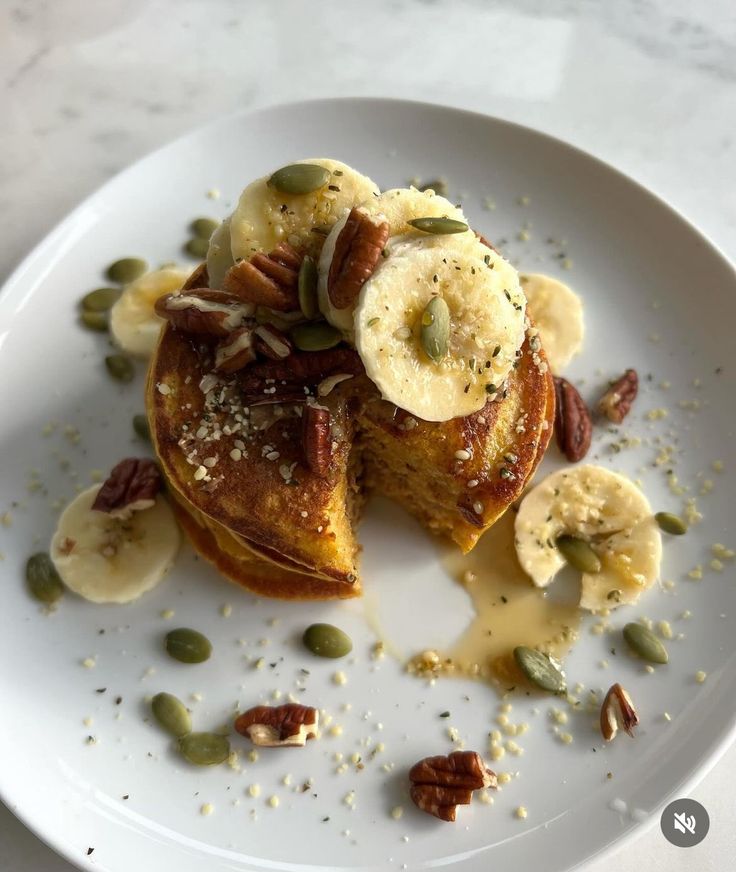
x=13, y=285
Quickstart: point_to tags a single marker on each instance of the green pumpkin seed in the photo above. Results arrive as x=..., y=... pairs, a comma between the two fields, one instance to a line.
x=100, y=300
x=644, y=643
x=203, y=228
x=95, y=320
x=128, y=269
x=439, y=225
x=324, y=640
x=120, y=368
x=43, y=580
x=188, y=646
x=172, y=714
x=197, y=248
x=308, y=288
x=204, y=749
x=141, y=427
x=579, y=554
x=299, y=179
x=539, y=669
x=671, y=524
x=435, y=329
x=316, y=336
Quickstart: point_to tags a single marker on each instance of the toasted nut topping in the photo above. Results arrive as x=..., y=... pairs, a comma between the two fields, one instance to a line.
x=616, y=403
x=278, y=726
x=316, y=439
x=573, y=426
x=272, y=343
x=617, y=711
x=357, y=251
x=267, y=279
x=204, y=312
x=236, y=351
x=440, y=784
x=131, y=487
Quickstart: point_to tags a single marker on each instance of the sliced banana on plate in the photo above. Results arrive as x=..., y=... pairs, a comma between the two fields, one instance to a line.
x=133, y=322
x=112, y=560
x=219, y=255
x=603, y=510
x=444, y=361
x=557, y=312
x=267, y=215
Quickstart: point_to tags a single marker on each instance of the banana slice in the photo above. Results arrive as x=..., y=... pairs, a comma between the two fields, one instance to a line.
x=133, y=322
x=219, y=255
x=606, y=510
x=486, y=327
x=397, y=206
x=558, y=314
x=110, y=560
x=264, y=216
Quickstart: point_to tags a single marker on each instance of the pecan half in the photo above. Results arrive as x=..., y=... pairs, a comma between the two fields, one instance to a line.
x=236, y=351
x=271, y=342
x=198, y=279
x=617, y=711
x=317, y=439
x=131, y=487
x=203, y=312
x=573, y=427
x=267, y=279
x=279, y=726
x=440, y=784
x=616, y=403
x=357, y=251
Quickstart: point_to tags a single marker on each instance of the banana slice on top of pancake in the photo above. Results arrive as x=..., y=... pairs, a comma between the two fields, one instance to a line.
x=287, y=205
x=606, y=519
x=439, y=327
x=109, y=559
x=557, y=312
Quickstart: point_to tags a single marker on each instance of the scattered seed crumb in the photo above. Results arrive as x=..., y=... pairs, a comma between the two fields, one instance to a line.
x=649, y=668
x=253, y=755
x=206, y=809
x=260, y=663
x=6, y=519
x=520, y=812
x=273, y=801
x=396, y=812
x=700, y=676
x=565, y=738
x=213, y=194
x=667, y=716
x=665, y=629
x=226, y=610
x=167, y=614
x=336, y=730
x=716, y=565
x=503, y=777
x=696, y=573
x=339, y=678
x=89, y=663
x=254, y=790
x=485, y=797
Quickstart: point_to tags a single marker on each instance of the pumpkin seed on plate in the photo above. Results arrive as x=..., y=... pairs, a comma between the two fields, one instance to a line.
x=579, y=554
x=94, y=320
x=439, y=225
x=315, y=336
x=435, y=329
x=308, y=288
x=127, y=269
x=120, y=368
x=325, y=640
x=539, y=669
x=44, y=582
x=188, y=646
x=203, y=228
x=204, y=749
x=643, y=642
x=197, y=247
x=172, y=714
x=100, y=300
x=141, y=427
x=299, y=178
x=672, y=524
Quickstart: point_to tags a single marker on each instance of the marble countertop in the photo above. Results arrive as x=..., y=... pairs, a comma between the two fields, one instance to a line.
x=649, y=85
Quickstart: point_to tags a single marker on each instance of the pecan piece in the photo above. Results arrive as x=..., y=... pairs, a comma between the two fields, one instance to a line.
x=573, y=427
x=198, y=279
x=203, y=312
x=357, y=251
x=617, y=711
x=267, y=279
x=439, y=784
x=484, y=241
x=236, y=351
x=317, y=439
x=616, y=403
x=131, y=487
x=279, y=726
x=271, y=342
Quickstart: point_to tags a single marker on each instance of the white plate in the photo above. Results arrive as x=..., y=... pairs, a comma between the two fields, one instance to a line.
x=641, y=269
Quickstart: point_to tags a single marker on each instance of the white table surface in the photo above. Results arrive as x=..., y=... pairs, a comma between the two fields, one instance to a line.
x=649, y=85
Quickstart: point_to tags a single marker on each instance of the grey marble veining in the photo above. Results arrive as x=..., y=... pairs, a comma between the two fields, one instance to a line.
x=649, y=85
